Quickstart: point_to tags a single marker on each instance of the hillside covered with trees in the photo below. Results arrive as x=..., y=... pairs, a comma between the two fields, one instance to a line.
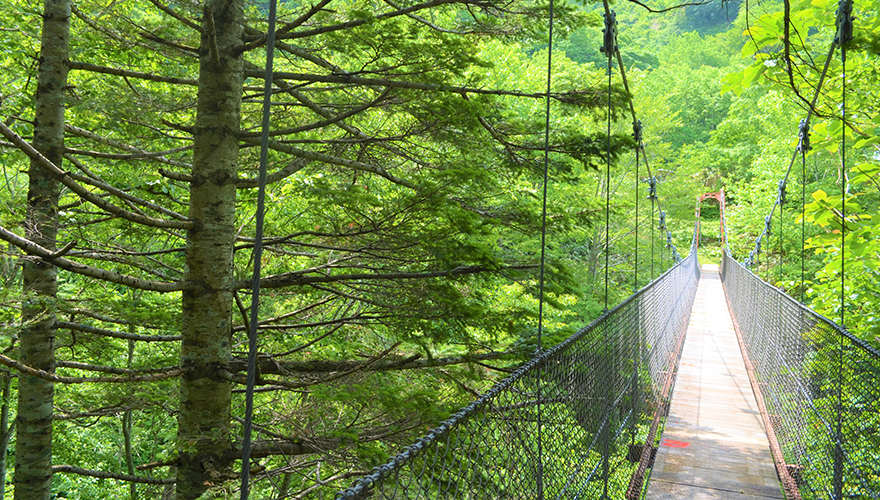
x=402, y=233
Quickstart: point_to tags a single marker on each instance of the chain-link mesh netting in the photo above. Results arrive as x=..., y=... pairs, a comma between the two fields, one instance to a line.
x=820, y=386
x=569, y=423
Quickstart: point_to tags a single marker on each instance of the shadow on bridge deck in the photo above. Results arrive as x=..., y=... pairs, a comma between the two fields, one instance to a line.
x=714, y=445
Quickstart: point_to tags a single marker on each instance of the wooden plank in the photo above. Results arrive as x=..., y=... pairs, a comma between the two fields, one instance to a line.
x=714, y=445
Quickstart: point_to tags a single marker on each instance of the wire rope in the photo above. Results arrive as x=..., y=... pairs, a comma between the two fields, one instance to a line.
x=608, y=189
x=544, y=245
x=781, y=236
x=258, y=252
x=803, y=147
x=637, y=135
x=653, y=197
x=843, y=187
x=622, y=69
x=838, y=450
x=755, y=254
x=609, y=48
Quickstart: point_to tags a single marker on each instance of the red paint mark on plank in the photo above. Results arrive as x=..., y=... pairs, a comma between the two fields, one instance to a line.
x=675, y=444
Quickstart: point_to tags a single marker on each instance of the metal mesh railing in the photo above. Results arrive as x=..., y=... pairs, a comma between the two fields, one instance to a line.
x=570, y=423
x=820, y=387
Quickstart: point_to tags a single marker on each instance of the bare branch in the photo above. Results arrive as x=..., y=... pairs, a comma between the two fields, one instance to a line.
x=359, y=22
x=426, y=22
x=414, y=362
x=130, y=156
x=291, y=168
x=301, y=97
x=177, y=16
x=137, y=152
x=382, y=82
x=95, y=181
x=330, y=119
x=31, y=248
x=112, y=369
x=177, y=176
x=94, y=68
x=294, y=278
x=333, y=160
x=51, y=377
x=296, y=23
x=67, y=179
x=298, y=385
x=57, y=469
x=660, y=11
x=102, y=412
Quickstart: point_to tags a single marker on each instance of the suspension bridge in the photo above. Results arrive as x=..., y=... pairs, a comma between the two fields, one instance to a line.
x=707, y=383
x=760, y=396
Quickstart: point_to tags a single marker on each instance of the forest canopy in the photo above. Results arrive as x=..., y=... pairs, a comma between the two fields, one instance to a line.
x=402, y=235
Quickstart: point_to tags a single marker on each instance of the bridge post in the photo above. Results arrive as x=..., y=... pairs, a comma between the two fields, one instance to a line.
x=837, y=478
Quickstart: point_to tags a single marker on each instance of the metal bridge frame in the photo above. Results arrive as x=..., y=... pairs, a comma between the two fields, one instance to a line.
x=721, y=204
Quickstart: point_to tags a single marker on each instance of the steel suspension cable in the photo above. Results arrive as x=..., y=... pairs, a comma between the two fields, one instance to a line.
x=608, y=189
x=609, y=47
x=803, y=147
x=637, y=135
x=844, y=35
x=837, y=478
x=632, y=109
x=781, y=239
x=258, y=253
x=756, y=252
x=650, y=174
x=652, y=195
x=544, y=245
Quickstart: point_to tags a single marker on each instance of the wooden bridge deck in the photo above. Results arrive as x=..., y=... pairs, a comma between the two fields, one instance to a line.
x=714, y=445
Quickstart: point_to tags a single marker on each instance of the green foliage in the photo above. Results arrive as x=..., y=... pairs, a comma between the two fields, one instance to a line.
x=366, y=247
x=767, y=47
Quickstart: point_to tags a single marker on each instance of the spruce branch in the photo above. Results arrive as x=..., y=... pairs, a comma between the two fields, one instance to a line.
x=71, y=469
x=78, y=327
x=69, y=180
x=51, y=377
x=31, y=248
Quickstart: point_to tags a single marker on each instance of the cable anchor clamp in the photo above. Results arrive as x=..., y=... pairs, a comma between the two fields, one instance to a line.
x=804, y=136
x=844, y=23
x=609, y=47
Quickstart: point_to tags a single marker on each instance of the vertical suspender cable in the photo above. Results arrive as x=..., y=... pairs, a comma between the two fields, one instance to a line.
x=609, y=48
x=844, y=35
x=837, y=480
x=803, y=224
x=653, y=196
x=781, y=238
x=608, y=189
x=637, y=135
x=544, y=247
x=258, y=252
x=803, y=147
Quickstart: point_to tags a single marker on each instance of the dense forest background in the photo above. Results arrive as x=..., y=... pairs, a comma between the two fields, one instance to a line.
x=406, y=160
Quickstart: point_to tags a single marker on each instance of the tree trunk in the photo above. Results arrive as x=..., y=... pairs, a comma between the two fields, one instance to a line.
x=5, y=430
x=33, y=450
x=126, y=427
x=204, y=419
